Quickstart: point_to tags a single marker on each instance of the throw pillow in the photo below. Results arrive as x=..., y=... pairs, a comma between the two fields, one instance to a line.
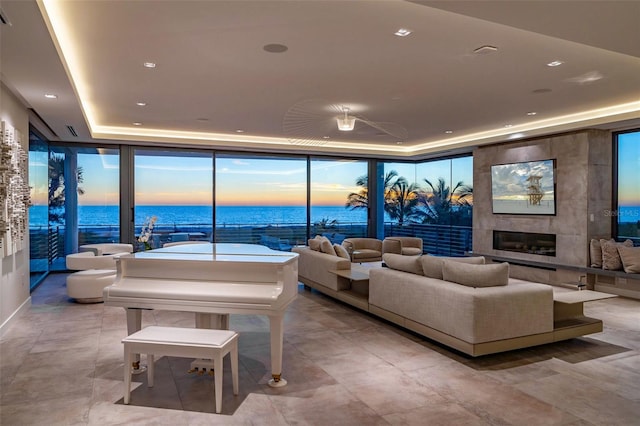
x=314, y=243
x=432, y=265
x=341, y=251
x=610, y=256
x=471, y=275
x=595, y=253
x=326, y=247
x=399, y=262
x=630, y=257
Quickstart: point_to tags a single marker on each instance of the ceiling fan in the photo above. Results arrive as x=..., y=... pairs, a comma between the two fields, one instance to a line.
x=315, y=122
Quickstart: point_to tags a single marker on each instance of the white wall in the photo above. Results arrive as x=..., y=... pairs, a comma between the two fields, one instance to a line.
x=14, y=269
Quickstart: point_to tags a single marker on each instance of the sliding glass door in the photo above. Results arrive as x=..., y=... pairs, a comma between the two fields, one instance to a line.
x=174, y=193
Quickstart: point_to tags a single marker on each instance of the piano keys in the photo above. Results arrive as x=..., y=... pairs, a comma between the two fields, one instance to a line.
x=209, y=279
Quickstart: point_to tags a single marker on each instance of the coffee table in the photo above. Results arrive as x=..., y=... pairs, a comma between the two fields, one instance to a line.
x=568, y=312
x=358, y=292
x=351, y=275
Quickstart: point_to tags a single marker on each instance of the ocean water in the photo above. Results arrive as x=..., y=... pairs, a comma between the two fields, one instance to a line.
x=202, y=215
x=244, y=215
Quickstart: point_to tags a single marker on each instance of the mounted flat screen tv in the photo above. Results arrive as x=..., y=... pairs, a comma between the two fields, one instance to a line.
x=524, y=188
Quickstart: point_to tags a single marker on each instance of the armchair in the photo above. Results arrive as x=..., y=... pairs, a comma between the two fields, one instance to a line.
x=363, y=249
x=95, y=272
x=408, y=246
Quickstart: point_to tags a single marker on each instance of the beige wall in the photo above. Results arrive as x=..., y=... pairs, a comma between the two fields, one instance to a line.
x=14, y=269
x=583, y=193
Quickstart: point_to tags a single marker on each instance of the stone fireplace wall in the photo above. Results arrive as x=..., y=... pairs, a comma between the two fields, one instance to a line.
x=583, y=195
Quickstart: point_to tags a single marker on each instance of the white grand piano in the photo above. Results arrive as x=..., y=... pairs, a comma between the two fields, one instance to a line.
x=209, y=280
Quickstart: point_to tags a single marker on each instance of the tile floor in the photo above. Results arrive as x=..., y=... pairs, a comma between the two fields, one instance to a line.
x=61, y=364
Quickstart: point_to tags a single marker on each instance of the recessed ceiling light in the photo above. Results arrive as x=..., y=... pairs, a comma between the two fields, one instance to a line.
x=448, y=132
x=50, y=96
x=239, y=131
x=325, y=137
x=399, y=142
x=149, y=64
x=531, y=113
x=508, y=125
x=137, y=123
x=402, y=32
x=555, y=63
x=141, y=103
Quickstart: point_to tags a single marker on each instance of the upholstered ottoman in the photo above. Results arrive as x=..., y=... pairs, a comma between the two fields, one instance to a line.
x=86, y=286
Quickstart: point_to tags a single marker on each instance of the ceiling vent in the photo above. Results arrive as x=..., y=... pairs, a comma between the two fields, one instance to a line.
x=72, y=131
x=3, y=18
x=484, y=50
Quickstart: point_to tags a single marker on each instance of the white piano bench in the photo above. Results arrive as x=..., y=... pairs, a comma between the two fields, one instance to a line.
x=184, y=343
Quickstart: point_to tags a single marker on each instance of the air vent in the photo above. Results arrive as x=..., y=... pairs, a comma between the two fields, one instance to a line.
x=72, y=131
x=484, y=50
x=3, y=18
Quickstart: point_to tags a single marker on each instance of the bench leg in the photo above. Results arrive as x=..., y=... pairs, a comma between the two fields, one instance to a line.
x=127, y=374
x=217, y=377
x=150, y=370
x=234, y=365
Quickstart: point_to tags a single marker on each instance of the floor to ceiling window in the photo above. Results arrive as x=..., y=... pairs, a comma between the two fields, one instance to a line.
x=174, y=191
x=261, y=200
x=432, y=200
x=339, y=198
x=627, y=211
x=83, y=199
x=38, y=223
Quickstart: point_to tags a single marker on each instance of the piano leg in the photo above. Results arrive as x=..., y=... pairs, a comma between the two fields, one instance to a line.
x=134, y=324
x=277, y=336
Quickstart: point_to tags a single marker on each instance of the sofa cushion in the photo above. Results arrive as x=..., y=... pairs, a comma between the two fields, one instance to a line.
x=610, y=256
x=476, y=275
x=630, y=257
x=341, y=251
x=403, y=263
x=314, y=243
x=432, y=265
x=326, y=246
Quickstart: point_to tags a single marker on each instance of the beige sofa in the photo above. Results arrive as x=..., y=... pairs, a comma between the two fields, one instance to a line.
x=492, y=317
x=460, y=302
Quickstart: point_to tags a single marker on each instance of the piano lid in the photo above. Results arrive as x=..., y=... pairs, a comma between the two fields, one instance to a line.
x=220, y=252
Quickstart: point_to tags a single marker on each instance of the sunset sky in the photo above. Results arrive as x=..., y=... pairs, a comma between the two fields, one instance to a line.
x=188, y=180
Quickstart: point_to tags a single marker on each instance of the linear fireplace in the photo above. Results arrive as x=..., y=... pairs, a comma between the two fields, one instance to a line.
x=525, y=242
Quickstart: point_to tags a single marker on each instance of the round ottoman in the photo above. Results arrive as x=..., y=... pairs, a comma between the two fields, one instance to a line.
x=86, y=286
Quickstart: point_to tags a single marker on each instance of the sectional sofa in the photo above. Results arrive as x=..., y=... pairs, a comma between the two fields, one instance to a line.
x=463, y=303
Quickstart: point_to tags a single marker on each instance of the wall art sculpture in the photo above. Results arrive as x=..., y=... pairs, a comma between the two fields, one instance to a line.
x=14, y=191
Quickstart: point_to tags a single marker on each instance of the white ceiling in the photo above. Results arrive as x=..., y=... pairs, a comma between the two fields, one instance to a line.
x=213, y=76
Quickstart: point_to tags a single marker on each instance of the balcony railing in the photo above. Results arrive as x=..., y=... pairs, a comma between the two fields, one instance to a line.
x=441, y=240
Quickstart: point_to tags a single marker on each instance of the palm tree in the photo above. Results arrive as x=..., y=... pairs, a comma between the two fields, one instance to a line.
x=437, y=204
x=405, y=201
x=57, y=187
x=360, y=199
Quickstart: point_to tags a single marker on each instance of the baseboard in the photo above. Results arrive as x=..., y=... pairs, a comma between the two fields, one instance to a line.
x=4, y=328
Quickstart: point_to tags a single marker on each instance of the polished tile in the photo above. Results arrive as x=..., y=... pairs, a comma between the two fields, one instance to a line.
x=61, y=363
